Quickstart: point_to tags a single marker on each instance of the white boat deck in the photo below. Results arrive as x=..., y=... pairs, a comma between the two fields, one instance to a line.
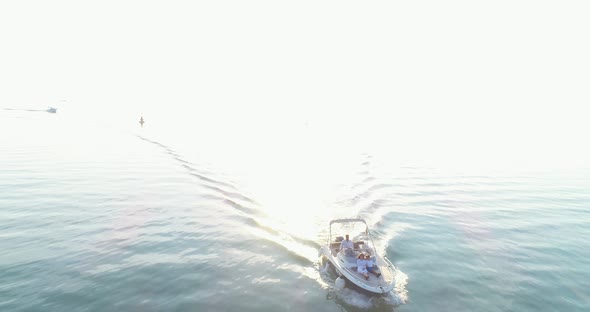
x=348, y=263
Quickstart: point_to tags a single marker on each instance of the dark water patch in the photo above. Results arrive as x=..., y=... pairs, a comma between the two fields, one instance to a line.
x=30, y=281
x=148, y=287
x=14, y=270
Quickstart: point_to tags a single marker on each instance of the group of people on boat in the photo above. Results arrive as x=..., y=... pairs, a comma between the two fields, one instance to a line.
x=364, y=264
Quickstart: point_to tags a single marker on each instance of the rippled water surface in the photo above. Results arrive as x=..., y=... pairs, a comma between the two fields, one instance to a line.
x=99, y=218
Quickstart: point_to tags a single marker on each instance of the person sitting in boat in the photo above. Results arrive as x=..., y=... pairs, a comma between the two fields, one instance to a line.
x=347, y=246
x=361, y=266
x=370, y=266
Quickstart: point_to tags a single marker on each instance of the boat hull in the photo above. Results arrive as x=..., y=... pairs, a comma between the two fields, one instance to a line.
x=345, y=267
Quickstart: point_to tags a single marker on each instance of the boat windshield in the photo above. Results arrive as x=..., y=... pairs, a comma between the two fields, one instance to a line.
x=356, y=230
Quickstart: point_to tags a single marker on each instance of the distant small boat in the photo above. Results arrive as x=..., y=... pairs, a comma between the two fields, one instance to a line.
x=52, y=110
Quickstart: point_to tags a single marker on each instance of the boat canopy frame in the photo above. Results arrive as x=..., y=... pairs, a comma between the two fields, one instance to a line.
x=352, y=220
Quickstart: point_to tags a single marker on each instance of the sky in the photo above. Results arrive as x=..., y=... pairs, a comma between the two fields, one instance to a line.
x=464, y=81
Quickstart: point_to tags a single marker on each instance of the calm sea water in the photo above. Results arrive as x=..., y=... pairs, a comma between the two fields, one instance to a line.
x=95, y=217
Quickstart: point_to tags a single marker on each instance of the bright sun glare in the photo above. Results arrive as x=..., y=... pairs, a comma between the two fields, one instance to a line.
x=454, y=82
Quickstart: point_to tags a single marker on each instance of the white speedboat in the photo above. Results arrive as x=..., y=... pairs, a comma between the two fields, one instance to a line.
x=345, y=262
